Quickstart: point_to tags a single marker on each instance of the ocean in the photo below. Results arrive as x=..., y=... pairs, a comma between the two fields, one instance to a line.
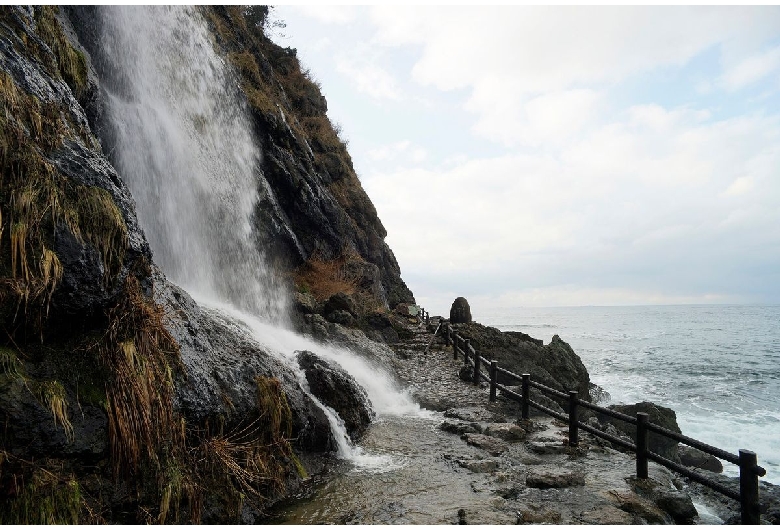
x=716, y=366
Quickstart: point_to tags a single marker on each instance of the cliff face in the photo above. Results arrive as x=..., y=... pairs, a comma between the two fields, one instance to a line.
x=318, y=209
x=121, y=400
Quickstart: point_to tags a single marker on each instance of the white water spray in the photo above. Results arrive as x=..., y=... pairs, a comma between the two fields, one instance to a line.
x=185, y=148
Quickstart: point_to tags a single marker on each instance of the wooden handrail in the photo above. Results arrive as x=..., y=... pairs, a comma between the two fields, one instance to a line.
x=749, y=470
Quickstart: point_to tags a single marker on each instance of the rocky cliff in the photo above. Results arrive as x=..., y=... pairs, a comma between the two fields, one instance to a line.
x=121, y=399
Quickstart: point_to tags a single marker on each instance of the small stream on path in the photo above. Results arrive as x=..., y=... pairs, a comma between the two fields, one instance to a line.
x=422, y=484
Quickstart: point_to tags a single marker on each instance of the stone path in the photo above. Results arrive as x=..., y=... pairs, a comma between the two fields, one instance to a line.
x=528, y=467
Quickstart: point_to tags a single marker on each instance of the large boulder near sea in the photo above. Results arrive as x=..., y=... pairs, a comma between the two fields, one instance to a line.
x=555, y=364
x=337, y=389
x=658, y=415
x=460, y=311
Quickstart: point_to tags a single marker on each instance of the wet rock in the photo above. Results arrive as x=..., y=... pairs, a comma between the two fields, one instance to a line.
x=221, y=364
x=339, y=302
x=466, y=373
x=460, y=312
x=634, y=504
x=381, y=323
x=692, y=457
x=608, y=515
x=305, y=303
x=538, y=516
x=493, y=446
x=316, y=325
x=337, y=389
x=509, y=432
x=678, y=505
x=478, y=466
x=548, y=448
x=461, y=427
x=659, y=415
x=474, y=414
x=29, y=428
x=341, y=316
x=553, y=479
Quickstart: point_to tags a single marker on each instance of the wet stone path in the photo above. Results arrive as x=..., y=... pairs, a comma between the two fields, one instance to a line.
x=469, y=461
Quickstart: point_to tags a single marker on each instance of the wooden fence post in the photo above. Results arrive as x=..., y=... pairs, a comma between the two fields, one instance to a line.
x=641, y=444
x=526, y=389
x=447, y=339
x=748, y=487
x=574, y=438
x=493, y=379
x=455, y=340
x=466, y=350
x=477, y=362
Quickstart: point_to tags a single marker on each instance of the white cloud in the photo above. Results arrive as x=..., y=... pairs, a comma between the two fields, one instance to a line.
x=740, y=186
x=369, y=78
x=329, y=14
x=402, y=152
x=528, y=68
x=549, y=119
x=642, y=198
x=752, y=69
x=591, y=167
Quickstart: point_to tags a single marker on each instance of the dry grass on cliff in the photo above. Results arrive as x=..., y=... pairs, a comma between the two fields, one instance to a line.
x=37, y=198
x=323, y=278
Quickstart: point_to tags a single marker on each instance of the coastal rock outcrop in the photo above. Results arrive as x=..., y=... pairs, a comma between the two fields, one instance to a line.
x=554, y=364
x=659, y=415
x=460, y=311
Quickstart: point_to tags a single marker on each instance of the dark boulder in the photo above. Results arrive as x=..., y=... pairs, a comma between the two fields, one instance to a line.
x=305, y=303
x=341, y=316
x=339, y=302
x=692, y=457
x=679, y=505
x=379, y=327
x=555, y=365
x=661, y=416
x=460, y=312
x=337, y=389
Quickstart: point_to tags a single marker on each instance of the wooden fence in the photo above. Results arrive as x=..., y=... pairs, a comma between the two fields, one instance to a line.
x=749, y=470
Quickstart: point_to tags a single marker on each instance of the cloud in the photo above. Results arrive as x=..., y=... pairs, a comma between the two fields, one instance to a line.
x=537, y=74
x=369, y=79
x=338, y=15
x=752, y=69
x=634, y=206
x=740, y=186
x=402, y=152
x=572, y=151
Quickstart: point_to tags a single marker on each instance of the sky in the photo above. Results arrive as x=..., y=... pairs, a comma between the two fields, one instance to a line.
x=561, y=156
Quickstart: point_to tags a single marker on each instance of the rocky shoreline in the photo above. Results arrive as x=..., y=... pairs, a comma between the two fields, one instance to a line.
x=519, y=471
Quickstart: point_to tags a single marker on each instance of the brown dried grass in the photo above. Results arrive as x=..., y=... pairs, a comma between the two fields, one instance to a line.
x=324, y=278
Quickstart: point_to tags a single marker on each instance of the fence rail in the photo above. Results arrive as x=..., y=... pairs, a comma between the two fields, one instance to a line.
x=749, y=470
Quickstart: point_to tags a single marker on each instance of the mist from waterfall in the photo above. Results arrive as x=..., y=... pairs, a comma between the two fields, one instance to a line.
x=184, y=146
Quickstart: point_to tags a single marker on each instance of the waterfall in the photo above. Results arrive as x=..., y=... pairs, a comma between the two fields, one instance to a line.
x=184, y=145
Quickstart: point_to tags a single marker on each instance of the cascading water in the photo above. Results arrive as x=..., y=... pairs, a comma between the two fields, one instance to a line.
x=184, y=146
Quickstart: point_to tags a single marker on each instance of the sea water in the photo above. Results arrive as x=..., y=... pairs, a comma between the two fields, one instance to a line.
x=716, y=366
